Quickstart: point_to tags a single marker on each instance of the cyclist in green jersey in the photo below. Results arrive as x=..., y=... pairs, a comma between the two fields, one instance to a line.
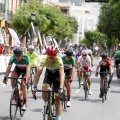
x=54, y=75
x=22, y=67
x=69, y=69
x=117, y=60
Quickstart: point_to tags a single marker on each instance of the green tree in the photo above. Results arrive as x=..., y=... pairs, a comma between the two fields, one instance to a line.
x=49, y=19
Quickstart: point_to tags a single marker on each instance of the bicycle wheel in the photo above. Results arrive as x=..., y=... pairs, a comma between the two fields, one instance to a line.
x=32, y=80
x=86, y=89
x=20, y=107
x=64, y=100
x=46, y=111
x=106, y=88
x=13, y=104
x=103, y=90
x=79, y=82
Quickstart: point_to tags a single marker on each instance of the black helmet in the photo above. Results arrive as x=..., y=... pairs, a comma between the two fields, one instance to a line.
x=18, y=51
x=69, y=52
x=104, y=55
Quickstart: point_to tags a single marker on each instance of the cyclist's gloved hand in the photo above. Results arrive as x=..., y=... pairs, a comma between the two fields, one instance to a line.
x=5, y=80
x=60, y=91
x=35, y=89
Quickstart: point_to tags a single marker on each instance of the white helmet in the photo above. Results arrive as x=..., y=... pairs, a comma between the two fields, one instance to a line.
x=90, y=52
x=31, y=47
x=84, y=52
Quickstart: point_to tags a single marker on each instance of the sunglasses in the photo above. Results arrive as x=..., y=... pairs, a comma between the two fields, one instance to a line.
x=84, y=55
x=50, y=57
x=68, y=56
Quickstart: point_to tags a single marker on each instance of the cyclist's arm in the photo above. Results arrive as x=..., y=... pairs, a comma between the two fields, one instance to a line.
x=61, y=73
x=97, y=68
x=37, y=76
x=8, y=70
x=27, y=72
x=73, y=72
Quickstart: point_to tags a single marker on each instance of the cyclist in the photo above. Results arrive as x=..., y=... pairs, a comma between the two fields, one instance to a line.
x=117, y=60
x=104, y=64
x=91, y=56
x=33, y=57
x=22, y=67
x=84, y=63
x=54, y=75
x=69, y=69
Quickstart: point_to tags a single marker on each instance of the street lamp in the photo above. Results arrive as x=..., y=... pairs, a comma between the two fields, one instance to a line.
x=33, y=16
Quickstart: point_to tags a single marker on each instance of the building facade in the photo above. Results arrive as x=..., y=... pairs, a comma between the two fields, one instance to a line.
x=86, y=15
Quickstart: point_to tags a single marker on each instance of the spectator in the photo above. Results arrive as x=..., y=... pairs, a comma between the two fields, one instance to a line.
x=1, y=48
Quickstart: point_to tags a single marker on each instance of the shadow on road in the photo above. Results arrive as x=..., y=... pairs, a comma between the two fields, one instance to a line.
x=79, y=98
x=8, y=118
x=37, y=110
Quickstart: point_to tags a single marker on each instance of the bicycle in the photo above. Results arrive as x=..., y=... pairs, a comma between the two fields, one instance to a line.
x=31, y=82
x=64, y=100
x=118, y=70
x=104, y=85
x=85, y=84
x=17, y=97
x=49, y=112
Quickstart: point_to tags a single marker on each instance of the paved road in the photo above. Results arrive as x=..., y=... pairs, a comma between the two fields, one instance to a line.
x=81, y=109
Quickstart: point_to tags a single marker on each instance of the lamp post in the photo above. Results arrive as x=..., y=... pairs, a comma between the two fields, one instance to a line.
x=33, y=17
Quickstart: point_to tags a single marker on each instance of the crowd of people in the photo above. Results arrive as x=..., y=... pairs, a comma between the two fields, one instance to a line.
x=59, y=68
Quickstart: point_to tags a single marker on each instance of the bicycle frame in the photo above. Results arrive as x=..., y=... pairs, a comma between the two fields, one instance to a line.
x=104, y=85
x=15, y=93
x=49, y=108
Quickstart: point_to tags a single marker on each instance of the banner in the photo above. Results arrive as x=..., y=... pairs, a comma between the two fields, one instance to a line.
x=14, y=36
x=4, y=63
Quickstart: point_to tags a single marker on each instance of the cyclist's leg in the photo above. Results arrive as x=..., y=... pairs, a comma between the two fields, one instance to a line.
x=16, y=74
x=46, y=86
x=102, y=69
x=110, y=79
x=89, y=82
x=56, y=86
x=81, y=75
x=68, y=92
x=24, y=89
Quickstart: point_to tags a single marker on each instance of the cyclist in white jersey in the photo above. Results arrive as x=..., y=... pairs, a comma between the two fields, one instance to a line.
x=84, y=63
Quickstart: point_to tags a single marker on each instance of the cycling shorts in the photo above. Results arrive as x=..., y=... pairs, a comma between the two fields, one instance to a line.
x=85, y=68
x=18, y=71
x=103, y=69
x=49, y=80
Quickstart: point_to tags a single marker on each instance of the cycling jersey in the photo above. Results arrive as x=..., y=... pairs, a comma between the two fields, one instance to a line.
x=33, y=58
x=21, y=64
x=117, y=54
x=77, y=55
x=84, y=62
x=68, y=64
x=52, y=69
x=105, y=63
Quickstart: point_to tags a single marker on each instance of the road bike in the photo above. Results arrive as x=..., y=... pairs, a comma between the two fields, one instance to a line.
x=104, y=85
x=16, y=101
x=49, y=112
x=32, y=76
x=85, y=84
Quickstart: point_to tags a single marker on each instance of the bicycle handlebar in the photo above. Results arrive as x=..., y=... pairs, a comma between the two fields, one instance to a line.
x=15, y=78
x=104, y=72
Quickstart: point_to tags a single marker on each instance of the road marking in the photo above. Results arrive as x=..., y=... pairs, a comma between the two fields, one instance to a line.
x=77, y=91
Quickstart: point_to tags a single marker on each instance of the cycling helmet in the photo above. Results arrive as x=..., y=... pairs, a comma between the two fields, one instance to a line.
x=69, y=52
x=80, y=49
x=18, y=51
x=90, y=52
x=84, y=52
x=104, y=55
x=52, y=51
x=31, y=47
